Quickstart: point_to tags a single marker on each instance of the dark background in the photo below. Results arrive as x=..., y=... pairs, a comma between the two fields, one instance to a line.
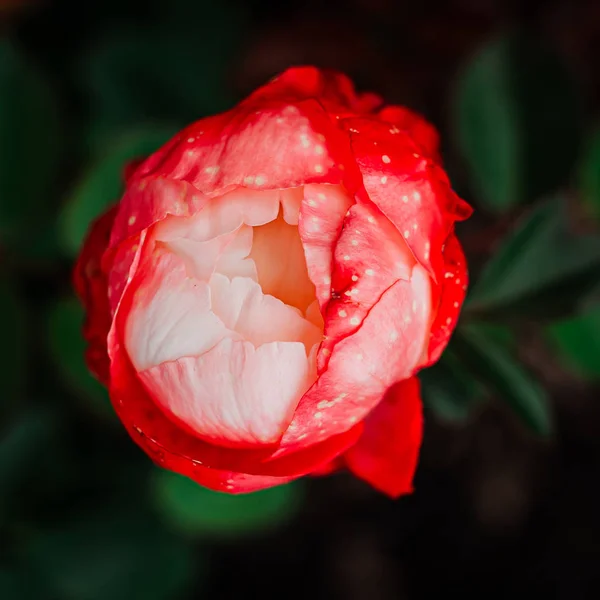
x=507, y=492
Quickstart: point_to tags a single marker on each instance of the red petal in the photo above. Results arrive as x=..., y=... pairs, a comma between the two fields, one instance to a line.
x=386, y=348
x=333, y=89
x=419, y=130
x=370, y=257
x=408, y=187
x=453, y=281
x=386, y=454
x=90, y=283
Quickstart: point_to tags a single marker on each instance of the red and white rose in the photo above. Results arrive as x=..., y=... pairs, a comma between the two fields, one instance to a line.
x=260, y=300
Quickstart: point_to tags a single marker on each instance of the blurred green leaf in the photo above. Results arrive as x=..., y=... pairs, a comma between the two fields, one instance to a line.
x=30, y=141
x=112, y=556
x=13, y=321
x=589, y=176
x=577, y=340
x=511, y=95
x=16, y=585
x=144, y=76
x=493, y=365
x=449, y=390
x=22, y=443
x=194, y=510
x=10, y=586
x=67, y=347
x=540, y=267
x=102, y=184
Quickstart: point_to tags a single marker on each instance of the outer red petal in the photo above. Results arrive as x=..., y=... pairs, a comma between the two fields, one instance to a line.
x=386, y=454
x=453, y=281
x=419, y=130
x=410, y=189
x=334, y=90
x=90, y=283
x=384, y=350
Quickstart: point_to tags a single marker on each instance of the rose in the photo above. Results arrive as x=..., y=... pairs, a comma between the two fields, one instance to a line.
x=261, y=298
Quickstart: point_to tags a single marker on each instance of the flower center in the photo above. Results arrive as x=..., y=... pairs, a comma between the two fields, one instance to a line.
x=226, y=326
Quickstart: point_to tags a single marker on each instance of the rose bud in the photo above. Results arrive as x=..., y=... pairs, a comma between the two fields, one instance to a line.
x=260, y=299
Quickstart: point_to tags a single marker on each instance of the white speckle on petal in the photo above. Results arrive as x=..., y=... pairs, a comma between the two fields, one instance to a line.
x=371, y=219
x=319, y=149
x=354, y=277
x=318, y=168
x=384, y=179
x=386, y=159
x=370, y=272
x=346, y=257
x=354, y=321
x=260, y=180
x=417, y=196
x=131, y=220
x=342, y=313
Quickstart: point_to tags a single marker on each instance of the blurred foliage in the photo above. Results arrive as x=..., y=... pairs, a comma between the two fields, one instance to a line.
x=30, y=146
x=589, y=176
x=511, y=94
x=107, y=555
x=12, y=355
x=102, y=183
x=577, y=339
x=195, y=511
x=67, y=349
x=542, y=267
x=83, y=514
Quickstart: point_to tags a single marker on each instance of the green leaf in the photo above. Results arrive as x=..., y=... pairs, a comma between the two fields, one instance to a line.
x=509, y=96
x=194, y=510
x=493, y=365
x=540, y=267
x=106, y=556
x=67, y=347
x=13, y=355
x=29, y=146
x=589, y=176
x=448, y=389
x=22, y=445
x=144, y=76
x=10, y=586
x=102, y=184
x=577, y=340
x=15, y=584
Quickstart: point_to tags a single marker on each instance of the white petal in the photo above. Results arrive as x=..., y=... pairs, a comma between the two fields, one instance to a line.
x=234, y=394
x=171, y=316
x=241, y=305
